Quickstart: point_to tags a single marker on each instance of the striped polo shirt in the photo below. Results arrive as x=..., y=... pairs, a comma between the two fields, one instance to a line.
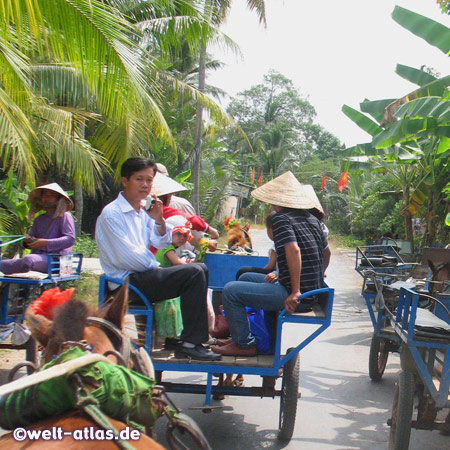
x=293, y=225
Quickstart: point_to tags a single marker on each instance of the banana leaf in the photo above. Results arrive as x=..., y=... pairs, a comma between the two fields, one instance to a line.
x=444, y=145
x=416, y=76
x=426, y=107
x=376, y=107
x=433, y=32
x=364, y=122
x=436, y=88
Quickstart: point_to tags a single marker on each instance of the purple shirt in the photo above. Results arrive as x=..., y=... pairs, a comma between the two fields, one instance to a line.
x=59, y=233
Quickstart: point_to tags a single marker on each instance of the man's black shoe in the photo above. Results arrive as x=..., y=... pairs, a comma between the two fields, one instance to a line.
x=171, y=343
x=198, y=352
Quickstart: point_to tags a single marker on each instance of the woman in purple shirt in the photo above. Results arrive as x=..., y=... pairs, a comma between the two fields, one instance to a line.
x=52, y=232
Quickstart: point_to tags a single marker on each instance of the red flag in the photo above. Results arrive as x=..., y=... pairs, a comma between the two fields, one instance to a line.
x=324, y=181
x=252, y=178
x=343, y=181
x=260, y=179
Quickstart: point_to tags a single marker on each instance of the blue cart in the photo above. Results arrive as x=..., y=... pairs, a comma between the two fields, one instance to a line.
x=19, y=290
x=222, y=269
x=423, y=386
x=381, y=267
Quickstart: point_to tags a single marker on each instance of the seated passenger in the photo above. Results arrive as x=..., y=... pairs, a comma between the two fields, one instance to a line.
x=302, y=255
x=124, y=233
x=270, y=269
x=52, y=232
x=163, y=188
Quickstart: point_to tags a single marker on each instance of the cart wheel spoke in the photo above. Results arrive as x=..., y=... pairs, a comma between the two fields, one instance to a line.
x=289, y=398
x=402, y=410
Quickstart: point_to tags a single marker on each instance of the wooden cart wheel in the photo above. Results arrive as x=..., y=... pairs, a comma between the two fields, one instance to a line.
x=378, y=357
x=402, y=410
x=185, y=434
x=289, y=397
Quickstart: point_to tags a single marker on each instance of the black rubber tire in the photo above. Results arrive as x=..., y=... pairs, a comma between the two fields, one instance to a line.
x=289, y=397
x=402, y=411
x=378, y=357
x=31, y=354
x=186, y=435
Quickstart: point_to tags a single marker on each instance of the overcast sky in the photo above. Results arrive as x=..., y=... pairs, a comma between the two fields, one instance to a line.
x=335, y=53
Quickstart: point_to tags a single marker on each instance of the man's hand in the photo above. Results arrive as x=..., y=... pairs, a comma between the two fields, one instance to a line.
x=156, y=211
x=271, y=277
x=212, y=245
x=291, y=302
x=213, y=232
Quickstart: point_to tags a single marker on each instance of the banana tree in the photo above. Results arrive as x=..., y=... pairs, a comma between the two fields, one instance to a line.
x=410, y=135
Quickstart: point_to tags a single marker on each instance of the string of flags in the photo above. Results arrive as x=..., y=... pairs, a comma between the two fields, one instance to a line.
x=341, y=184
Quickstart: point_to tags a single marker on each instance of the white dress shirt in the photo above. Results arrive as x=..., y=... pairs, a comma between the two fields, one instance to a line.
x=124, y=237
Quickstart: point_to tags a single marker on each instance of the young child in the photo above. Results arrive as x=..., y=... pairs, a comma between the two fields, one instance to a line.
x=168, y=256
x=168, y=315
x=168, y=318
x=270, y=269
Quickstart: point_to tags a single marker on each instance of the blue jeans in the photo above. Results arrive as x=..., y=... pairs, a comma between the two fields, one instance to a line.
x=251, y=290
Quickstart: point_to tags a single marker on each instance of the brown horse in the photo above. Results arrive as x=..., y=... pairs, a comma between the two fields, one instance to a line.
x=71, y=325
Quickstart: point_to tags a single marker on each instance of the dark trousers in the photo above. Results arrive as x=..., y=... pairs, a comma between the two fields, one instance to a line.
x=187, y=281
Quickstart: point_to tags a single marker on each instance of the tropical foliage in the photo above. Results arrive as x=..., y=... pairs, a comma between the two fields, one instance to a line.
x=410, y=136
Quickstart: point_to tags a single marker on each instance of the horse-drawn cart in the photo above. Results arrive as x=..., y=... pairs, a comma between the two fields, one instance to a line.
x=286, y=365
x=425, y=361
x=17, y=292
x=381, y=267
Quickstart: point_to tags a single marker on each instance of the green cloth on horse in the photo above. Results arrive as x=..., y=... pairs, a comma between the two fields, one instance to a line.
x=122, y=394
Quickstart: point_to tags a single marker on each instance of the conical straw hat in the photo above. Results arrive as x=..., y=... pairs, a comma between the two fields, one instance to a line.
x=36, y=193
x=285, y=191
x=163, y=185
x=313, y=196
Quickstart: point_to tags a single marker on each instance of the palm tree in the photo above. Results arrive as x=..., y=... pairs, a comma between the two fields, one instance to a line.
x=104, y=55
x=217, y=11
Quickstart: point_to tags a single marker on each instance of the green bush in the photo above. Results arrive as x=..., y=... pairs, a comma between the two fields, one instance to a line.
x=86, y=245
x=379, y=215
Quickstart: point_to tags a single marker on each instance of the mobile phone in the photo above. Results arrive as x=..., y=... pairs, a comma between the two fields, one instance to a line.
x=149, y=202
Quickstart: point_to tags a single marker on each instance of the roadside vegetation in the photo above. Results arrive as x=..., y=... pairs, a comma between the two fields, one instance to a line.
x=74, y=106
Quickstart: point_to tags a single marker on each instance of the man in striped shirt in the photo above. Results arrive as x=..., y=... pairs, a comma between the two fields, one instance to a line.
x=303, y=255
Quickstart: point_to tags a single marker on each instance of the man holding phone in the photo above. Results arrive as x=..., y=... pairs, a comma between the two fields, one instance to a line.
x=126, y=229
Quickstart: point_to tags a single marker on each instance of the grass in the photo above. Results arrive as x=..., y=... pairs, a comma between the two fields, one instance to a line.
x=86, y=288
x=346, y=242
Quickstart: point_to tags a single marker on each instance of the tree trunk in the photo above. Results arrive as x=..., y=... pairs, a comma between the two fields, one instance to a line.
x=407, y=219
x=199, y=131
x=78, y=200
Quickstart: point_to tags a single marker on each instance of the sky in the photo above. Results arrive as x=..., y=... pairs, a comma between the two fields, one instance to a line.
x=334, y=52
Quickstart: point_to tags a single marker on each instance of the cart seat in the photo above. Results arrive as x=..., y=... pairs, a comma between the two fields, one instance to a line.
x=382, y=261
x=429, y=325
x=20, y=289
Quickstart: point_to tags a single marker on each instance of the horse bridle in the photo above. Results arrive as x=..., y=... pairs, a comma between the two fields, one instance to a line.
x=124, y=353
x=434, y=275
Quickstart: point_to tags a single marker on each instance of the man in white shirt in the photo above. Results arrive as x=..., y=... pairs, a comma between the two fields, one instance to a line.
x=124, y=233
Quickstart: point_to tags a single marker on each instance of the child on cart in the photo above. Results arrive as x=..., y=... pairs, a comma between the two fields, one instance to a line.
x=270, y=269
x=168, y=313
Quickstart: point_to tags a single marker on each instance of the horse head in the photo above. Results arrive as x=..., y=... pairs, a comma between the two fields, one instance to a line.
x=74, y=323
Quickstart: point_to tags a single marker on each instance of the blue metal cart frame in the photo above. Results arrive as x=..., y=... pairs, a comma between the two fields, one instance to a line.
x=13, y=305
x=267, y=366
x=425, y=361
x=380, y=265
